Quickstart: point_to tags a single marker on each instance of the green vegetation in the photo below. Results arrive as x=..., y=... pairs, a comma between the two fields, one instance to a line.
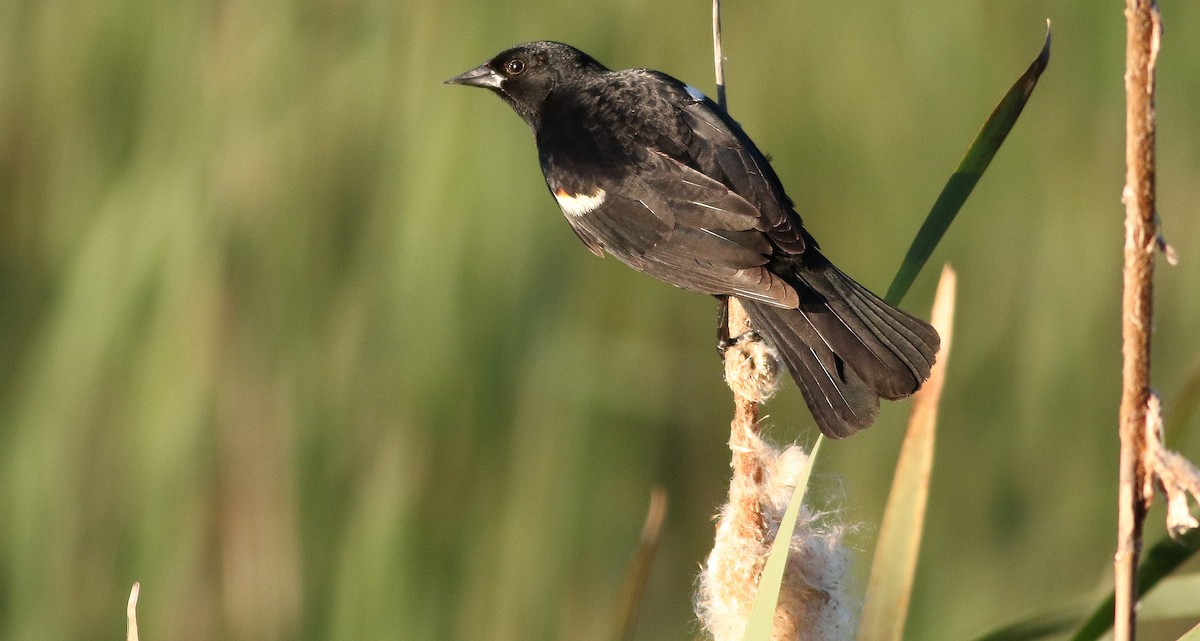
x=293, y=334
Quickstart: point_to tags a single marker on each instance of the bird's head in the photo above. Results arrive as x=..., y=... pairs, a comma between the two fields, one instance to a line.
x=525, y=75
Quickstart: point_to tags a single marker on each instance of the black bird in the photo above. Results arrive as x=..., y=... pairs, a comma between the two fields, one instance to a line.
x=649, y=170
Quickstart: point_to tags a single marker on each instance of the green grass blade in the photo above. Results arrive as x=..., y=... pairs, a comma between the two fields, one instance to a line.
x=977, y=158
x=758, y=628
x=639, y=572
x=1176, y=598
x=889, y=588
x=1040, y=626
x=963, y=180
x=1191, y=635
x=1183, y=411
x=1163, y=557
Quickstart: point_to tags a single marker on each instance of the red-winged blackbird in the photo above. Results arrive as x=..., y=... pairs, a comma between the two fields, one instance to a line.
x=649, y=170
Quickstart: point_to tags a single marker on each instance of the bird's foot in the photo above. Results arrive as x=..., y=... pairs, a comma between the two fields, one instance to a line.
x=724, y=340
x=727, y=342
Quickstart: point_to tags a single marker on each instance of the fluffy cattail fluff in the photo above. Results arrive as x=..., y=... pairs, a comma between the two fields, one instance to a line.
x=814, y=600
x=752, y=369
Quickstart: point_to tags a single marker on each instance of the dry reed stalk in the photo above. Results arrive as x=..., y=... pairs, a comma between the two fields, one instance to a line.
x=1143, y=30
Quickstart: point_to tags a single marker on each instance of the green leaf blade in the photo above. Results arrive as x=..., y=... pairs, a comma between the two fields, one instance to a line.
x=1161, y=559
x=758, y=628
x=979, y=155
x=1191, y=635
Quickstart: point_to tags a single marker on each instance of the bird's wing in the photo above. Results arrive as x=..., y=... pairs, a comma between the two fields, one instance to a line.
x=676, y=191
x=718, y=148
x=675, y=223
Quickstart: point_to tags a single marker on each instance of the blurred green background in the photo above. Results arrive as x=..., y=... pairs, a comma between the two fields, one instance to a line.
x=293, y=334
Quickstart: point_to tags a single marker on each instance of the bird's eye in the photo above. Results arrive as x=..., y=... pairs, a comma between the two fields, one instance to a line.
x=514, y=67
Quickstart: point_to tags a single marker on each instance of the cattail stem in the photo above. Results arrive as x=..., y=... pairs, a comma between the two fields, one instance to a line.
x=1143, y=29
x=744, y=427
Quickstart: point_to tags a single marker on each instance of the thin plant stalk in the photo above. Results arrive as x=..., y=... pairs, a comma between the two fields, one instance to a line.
x=1143, y=29
x=744, y=427
x=639, y=573
x=131, y=629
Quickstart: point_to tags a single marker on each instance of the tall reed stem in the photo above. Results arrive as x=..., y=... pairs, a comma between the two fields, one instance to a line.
x=1143, y=29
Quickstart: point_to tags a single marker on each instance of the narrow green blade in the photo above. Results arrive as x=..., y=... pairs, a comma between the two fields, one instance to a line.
x=639, y=573
x=758, y=628
x=1180, y=425
x=978, y=156
x=1163, y=557
x=1176, y=598
x=963, y=180
x=1040, y=626
x=1191, y=635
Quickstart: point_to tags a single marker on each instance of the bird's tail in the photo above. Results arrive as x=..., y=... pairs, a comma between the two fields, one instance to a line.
x=845, y=347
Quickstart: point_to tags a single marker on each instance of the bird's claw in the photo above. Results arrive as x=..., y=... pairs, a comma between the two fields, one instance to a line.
x=724, y=343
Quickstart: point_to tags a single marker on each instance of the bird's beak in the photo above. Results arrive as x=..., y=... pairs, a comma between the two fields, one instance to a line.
x=481, y=76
